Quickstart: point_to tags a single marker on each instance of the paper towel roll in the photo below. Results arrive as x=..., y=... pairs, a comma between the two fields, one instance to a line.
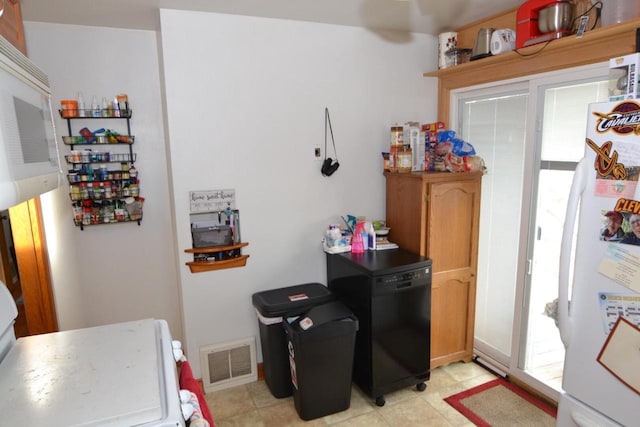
x=446, y=41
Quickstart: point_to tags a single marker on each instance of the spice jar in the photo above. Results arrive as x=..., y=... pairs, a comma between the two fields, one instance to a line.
x=396, y=144
x=405, y=156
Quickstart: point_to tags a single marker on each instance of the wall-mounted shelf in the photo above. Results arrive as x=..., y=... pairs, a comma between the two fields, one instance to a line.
x=99, y=193
x=598, y=45
x=217, y=257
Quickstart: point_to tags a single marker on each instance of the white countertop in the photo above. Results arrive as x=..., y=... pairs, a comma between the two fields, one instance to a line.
x=106, y=375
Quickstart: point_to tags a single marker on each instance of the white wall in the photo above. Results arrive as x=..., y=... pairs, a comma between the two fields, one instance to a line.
x=245, y=109
x=245, y=101
x=121, y=272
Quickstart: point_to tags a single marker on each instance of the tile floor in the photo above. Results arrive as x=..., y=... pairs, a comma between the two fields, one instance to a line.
x=253, y=405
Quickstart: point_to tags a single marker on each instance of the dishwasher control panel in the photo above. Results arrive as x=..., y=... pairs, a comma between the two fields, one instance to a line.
x=408, y=276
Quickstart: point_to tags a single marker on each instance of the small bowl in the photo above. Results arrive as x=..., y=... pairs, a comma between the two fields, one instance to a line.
x=382, y=231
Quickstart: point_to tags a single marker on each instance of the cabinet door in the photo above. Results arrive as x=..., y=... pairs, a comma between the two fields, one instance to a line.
x=452, y=244
x=452, y=309
x=405, y=202
x=11, y=25
x=452, y=228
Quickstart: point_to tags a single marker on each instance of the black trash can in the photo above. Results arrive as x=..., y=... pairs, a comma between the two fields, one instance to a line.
x=321, y=345
x=271, y=307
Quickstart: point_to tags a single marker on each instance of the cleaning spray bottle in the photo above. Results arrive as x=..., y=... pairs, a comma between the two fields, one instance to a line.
x=357, y=244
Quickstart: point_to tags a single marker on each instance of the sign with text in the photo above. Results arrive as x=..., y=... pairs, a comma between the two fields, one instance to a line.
x=212, y=200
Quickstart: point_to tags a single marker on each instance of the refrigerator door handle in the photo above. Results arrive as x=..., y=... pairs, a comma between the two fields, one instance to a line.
x=577, y=188
x=583, y=421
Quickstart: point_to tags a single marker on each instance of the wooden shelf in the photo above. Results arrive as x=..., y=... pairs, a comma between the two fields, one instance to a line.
x=598, y=45
x=201, y=266
x=214, y=249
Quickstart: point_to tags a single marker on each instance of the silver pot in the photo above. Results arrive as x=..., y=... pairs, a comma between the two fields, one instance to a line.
x=557, y=17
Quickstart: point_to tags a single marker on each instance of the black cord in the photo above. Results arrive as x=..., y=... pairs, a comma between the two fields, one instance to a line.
x=533, y=53
x=327, y=119
x=587, y=12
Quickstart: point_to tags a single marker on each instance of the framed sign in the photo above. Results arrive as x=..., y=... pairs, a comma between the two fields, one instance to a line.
x=212, y=200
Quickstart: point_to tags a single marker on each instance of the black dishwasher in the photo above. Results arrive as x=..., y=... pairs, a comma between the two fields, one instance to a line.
x=390, y=293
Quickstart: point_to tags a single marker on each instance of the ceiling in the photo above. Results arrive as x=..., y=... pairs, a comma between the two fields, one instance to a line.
x=420, y=16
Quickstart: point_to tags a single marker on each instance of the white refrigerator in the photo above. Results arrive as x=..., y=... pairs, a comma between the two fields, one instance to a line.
x=599, y=288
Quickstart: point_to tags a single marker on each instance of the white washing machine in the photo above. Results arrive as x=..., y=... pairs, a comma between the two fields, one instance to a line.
x=122, y=374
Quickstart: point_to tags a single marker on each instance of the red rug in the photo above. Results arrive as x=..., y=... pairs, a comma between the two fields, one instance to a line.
x=500, y=402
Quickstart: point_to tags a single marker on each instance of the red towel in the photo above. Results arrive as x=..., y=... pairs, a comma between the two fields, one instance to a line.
x=187, y=382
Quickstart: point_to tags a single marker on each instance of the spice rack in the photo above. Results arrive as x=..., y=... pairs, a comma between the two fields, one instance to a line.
x=100, y=193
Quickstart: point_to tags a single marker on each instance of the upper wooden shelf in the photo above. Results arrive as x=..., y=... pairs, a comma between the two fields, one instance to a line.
x=598, y=45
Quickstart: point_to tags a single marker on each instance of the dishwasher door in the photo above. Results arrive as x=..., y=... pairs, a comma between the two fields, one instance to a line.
x=400, y=330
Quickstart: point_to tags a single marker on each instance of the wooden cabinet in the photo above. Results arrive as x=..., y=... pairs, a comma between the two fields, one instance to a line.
x=437, y=215
x=11, y=24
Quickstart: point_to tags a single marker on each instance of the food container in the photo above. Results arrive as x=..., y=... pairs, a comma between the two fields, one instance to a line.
x=396, y=144
x=405, y=159
x=457, y=56
x=69, y=108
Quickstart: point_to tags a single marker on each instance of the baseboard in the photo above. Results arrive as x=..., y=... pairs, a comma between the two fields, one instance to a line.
x=260, y=372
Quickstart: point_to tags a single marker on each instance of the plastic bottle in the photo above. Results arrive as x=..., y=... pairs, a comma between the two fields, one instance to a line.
x=81, y=108
x=357, y=245
x=116, y=108
x=95, y=107
x=105, y=107
x=371, y=236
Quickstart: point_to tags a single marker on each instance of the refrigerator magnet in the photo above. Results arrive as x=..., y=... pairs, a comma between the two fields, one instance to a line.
x=622, y=265
x=620, y=354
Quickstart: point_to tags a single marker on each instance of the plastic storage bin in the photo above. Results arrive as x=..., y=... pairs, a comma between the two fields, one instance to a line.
x=617, y=11
x=271, y=307
x=321, y=346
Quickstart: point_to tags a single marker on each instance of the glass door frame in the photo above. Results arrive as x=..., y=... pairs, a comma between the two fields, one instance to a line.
x=532, y=156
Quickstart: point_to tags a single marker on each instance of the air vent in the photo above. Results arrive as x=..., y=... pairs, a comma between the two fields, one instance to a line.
x=14, y=61
x=228, y=364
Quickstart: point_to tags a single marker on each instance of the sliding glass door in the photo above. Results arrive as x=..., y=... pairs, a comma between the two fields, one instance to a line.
x=495, y=124
x=531, y=134
x=564, y=123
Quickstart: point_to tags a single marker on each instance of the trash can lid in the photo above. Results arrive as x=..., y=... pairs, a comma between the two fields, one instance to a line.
x=326, y=313
x=291, y=300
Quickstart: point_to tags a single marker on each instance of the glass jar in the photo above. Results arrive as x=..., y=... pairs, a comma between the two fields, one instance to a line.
x=405, y=157
x=396, y=135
